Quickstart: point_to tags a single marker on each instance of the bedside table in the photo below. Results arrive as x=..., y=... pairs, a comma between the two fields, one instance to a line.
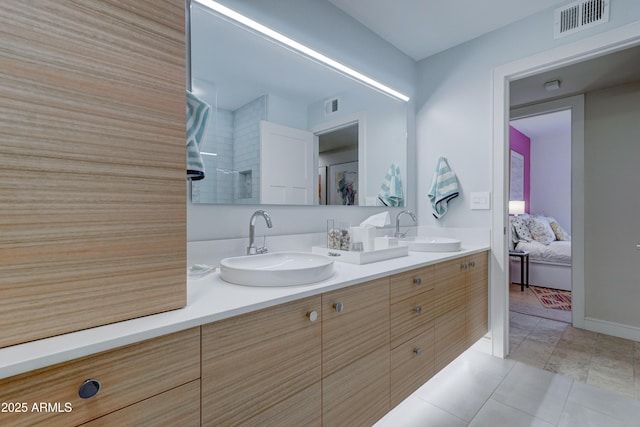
x=524, y=265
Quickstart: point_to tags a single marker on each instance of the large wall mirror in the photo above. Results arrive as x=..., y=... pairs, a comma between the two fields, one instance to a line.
x=285, y=129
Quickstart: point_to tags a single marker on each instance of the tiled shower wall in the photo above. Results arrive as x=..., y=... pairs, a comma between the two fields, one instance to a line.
x=246, y=148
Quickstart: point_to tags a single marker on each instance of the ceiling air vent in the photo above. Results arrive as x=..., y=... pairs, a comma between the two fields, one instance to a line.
x=331, y=106
x=580, y=15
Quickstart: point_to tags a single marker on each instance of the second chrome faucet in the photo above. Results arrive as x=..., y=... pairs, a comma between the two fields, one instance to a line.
x=252, y=249
x=413, y=217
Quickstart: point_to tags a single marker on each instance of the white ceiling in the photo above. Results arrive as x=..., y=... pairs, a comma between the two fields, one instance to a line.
x=421, y=28
x=557, y=123
x=605, y=71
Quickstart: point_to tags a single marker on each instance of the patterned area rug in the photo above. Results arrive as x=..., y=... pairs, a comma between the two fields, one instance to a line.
x=553, y=298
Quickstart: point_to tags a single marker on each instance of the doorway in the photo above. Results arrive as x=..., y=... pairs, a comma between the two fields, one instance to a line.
x=541, y=136
x=573, y=53
x=338, y=166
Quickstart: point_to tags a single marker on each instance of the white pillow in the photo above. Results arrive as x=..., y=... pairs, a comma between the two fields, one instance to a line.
x=541, y=230
x=522, y=233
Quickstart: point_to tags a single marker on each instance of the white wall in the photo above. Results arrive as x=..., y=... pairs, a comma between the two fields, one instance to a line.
x=454, y=104
x=325, y=28
x=551, y=177
x=612, y=205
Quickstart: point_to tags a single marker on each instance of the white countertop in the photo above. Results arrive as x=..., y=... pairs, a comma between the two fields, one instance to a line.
x=208, y=299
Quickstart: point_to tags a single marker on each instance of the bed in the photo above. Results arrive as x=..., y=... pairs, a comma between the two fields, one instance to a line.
x=549, y=257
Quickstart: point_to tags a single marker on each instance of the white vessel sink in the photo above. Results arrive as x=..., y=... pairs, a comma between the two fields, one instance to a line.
x=431, y=244
x=276, y=269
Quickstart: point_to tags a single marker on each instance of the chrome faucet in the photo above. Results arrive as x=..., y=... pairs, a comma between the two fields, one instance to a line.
x=413, y=217
x=251, y=249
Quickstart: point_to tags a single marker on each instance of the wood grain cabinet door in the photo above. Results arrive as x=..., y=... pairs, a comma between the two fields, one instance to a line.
x=92, y=164
x=127, y=375
x=449, y=309
x=264, y=368
x=355, y=354
x=477, y=297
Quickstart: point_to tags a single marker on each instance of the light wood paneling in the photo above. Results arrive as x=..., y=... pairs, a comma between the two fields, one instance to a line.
x=92, y=163
x=362, y=327
x=177, y=407
x=128, y=375
x=449, y=278
x=477, y=305
x=411, y=316
x=259, y=364
x=355, y=354
x=450, y=337
x=358, y=394
x=412, y=364
x=411, y=283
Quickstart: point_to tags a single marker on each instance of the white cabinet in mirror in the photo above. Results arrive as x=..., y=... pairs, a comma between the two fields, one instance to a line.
x=284, y=129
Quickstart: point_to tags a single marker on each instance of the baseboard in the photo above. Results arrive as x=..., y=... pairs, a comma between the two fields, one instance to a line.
x=483, y=345
x=611, y=328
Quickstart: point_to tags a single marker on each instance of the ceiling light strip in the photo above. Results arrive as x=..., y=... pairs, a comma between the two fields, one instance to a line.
x=300, y=48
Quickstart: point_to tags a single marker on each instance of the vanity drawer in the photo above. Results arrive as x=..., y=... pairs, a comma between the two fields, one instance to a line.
x=177, y=407
x=411, y=283
x=411, y=316
x=412, y=364
x=127, y=375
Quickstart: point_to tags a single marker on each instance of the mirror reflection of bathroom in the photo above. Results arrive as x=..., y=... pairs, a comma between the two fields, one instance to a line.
x=338, y=166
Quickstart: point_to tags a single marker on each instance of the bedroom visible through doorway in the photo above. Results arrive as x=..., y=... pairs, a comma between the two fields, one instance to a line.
x=540, y=182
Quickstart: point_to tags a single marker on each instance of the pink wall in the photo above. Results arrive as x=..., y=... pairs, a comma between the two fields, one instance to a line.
x=521, y=143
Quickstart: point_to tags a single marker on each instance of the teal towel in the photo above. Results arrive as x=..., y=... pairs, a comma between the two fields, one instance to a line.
x=390, y=193
x=197, y=119
x=444, y=188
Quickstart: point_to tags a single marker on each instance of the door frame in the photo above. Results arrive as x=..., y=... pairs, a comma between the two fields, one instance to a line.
x=601, y=44
x=576, y=105
x=340, y=122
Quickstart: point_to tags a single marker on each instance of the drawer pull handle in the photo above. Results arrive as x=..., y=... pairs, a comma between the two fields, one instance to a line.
x=417, y=351
x=339, y=307
x=312, y=315
x=418, y=309
x=464, y=266
x=472, y=263
x=88, y=389
x=417, y=281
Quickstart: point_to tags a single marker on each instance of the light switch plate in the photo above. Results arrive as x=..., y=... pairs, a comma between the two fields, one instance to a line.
x=481, y=200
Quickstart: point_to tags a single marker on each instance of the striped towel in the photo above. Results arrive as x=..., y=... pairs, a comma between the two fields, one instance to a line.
x=390, y=193
x=444, y=188
x=197, y=118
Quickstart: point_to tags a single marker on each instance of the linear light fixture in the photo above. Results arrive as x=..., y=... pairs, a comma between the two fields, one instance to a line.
x=229, y=13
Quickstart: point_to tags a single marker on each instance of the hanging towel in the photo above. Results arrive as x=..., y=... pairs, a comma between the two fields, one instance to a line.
x=444, y=188
x=197, y=119
x=390, y=193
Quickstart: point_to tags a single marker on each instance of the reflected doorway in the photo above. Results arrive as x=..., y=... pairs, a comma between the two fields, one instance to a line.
x=338, y=173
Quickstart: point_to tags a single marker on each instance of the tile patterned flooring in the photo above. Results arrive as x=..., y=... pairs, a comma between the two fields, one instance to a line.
x=557, y=375
x=601, y=360
x=479, y=390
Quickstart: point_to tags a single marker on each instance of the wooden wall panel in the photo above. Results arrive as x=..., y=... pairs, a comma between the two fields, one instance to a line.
x=92, y=163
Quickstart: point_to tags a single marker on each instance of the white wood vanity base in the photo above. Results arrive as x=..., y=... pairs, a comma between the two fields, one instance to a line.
x=209, y=299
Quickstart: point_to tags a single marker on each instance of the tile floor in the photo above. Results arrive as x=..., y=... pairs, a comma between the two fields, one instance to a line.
x=556, y=375
x=601, y=360
x=481, y=390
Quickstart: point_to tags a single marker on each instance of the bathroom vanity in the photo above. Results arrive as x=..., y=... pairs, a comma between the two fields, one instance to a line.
x=96, y=235
x=344, y=350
